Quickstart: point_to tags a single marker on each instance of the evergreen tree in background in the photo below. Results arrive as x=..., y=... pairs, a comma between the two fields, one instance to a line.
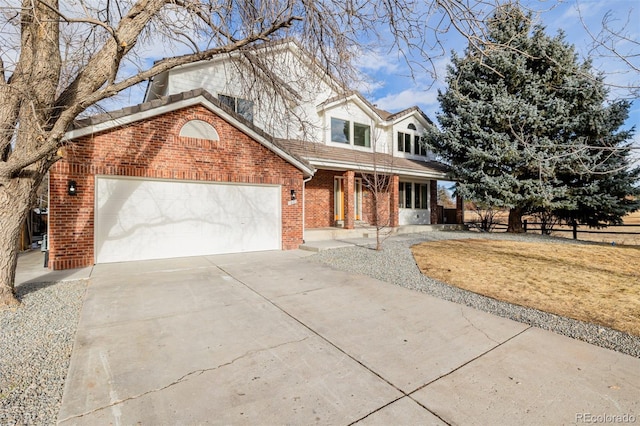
x=526, y=127
x=610, y=190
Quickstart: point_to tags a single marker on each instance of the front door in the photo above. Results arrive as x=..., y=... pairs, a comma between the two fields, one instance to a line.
x=338, y=198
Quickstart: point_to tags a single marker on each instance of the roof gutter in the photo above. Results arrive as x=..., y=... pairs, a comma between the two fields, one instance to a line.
x=332, y=164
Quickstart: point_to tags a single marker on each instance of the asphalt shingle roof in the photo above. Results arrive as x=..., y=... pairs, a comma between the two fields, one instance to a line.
x=306, y=152
x=317, y=152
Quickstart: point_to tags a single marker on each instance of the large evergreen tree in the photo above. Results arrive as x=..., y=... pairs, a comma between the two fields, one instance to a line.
x=608, y=190
x=526, y=127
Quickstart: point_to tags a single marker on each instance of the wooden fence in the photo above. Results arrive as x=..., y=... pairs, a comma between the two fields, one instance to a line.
x=573, y=228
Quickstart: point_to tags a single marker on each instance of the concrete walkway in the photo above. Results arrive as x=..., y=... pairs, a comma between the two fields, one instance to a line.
x=275, y=338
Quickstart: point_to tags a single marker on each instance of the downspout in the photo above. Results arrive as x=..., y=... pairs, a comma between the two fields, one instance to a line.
x=304, y=204
x=45, y=241
x=146, y=91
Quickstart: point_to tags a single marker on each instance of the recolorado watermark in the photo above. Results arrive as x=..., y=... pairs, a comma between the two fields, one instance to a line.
x=605, y=418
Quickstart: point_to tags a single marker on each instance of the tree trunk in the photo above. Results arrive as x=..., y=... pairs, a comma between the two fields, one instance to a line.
x=376, y=220
x=377, y=214
x=515, y=221
x=15, y=201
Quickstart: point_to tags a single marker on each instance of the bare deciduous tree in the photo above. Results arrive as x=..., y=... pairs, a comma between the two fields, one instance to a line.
x=487, y=215
x=615, y=42
x=59, y=59
x=444, y=198
x=378, y=182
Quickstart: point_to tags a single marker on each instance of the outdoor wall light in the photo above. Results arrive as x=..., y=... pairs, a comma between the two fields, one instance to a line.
x=72, y=188
x=293, y=194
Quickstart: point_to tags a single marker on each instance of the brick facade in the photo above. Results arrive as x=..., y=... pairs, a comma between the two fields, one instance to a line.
x=349, y=207
x=383, y=204
x=459, y=210
x=319, y=201
x=395, y=200
x=433, y=201
x=153, y=149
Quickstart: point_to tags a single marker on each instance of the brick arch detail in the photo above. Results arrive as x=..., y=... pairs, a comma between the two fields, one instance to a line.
x=211, y=119
x=194, y=115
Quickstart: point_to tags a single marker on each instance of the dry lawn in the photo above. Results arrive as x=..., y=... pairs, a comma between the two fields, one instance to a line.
x=599, y=284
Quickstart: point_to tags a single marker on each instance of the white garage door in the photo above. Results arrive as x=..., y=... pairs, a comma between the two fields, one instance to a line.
x=141, y=219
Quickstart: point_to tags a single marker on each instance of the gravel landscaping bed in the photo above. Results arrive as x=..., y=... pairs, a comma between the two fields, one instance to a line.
x=395, y=264
x=35, y=347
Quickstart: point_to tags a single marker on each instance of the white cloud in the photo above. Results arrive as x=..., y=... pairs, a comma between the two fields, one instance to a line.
x=368, y=86
x=425, y=99
x=369, y=61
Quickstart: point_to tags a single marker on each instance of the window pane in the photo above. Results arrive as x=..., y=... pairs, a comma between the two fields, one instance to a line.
x=229, y=101
x=245, y=109
x=423, y=150
x=407, y=195
x=418, y=193
x=424, y=197
x=401, y=195
x=407, y=143
x=361, y=135
x=400, y=141
x=416, y=145
x=339, y=130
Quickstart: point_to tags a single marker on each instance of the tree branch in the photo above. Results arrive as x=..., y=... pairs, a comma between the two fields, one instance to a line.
x=167, y=64
x=70, y=112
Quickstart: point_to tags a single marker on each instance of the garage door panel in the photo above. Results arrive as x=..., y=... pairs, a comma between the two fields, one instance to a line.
x=137, y=219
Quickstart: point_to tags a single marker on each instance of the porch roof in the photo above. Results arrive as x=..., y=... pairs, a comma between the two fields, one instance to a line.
x=328, y=157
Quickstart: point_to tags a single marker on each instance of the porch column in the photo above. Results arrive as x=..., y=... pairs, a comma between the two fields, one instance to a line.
x=433, y=201
x=394, y=214
x=349, y=208
x=459, y=210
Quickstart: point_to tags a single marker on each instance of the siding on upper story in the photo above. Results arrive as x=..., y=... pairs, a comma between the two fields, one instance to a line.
x=312, y=99
x=294, y=118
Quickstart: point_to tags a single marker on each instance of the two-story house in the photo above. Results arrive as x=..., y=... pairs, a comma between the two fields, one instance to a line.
x=216, y=160
x=342, y=135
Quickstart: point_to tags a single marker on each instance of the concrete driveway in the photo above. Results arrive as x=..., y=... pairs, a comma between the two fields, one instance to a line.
x=275, y=338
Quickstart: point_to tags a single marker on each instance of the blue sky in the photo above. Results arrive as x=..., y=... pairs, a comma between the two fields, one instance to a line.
x=391, y=88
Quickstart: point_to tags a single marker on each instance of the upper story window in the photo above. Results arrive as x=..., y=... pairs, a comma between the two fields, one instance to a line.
x=404, y=142
x=341, y=131
x=419, y=148
x=409, y=141
x=361, y=135
x=243, y=107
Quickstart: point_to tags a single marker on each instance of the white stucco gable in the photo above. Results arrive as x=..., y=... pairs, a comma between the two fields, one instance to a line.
x=352, y=122
x=353, y=110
